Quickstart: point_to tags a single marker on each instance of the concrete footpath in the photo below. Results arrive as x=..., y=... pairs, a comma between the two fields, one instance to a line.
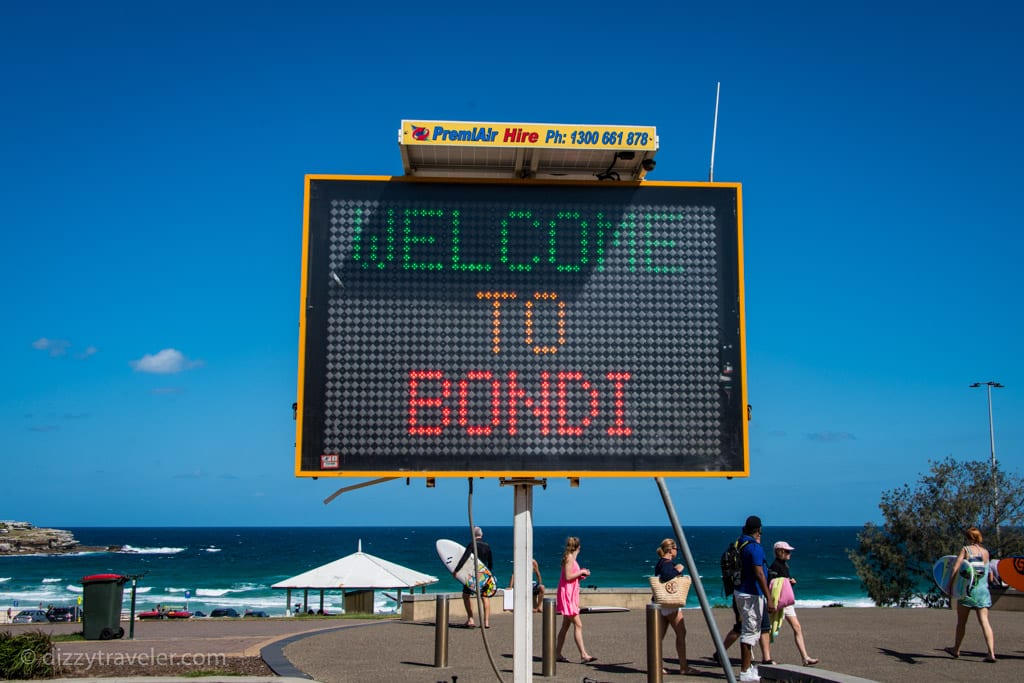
x=872, y=643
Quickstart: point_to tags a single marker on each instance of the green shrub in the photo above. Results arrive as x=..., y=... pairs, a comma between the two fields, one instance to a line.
x=26, y=655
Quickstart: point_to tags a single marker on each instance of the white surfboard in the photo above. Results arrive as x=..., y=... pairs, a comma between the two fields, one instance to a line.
x=450, y=553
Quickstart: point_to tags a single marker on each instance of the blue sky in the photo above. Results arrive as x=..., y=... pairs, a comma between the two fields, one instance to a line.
x=151, y=195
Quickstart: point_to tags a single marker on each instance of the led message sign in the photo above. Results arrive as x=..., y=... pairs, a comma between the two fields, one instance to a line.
x=534, y=329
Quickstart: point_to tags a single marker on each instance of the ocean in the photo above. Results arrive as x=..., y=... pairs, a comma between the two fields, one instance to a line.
x=235, y=567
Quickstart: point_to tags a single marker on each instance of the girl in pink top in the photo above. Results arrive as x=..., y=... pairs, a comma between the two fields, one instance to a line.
x=567, y=600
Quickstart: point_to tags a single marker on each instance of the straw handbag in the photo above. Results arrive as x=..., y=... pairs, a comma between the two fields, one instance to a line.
x=671, y=593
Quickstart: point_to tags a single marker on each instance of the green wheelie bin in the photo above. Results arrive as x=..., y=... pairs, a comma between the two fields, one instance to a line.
x=101, y=606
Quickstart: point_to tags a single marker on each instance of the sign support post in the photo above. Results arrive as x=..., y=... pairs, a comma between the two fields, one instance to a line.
x=522, y=571
x=522, y=598
x=691, y=566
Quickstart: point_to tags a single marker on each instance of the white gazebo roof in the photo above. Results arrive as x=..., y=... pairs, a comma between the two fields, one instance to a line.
x=358, y=570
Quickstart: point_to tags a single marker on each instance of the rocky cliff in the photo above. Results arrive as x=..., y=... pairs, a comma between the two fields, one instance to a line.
x=23, y=538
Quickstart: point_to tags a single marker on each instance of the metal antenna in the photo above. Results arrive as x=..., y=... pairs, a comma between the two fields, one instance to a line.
x=714, y=135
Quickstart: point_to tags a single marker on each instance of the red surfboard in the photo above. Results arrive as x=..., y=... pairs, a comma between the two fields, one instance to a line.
x=1011, y=571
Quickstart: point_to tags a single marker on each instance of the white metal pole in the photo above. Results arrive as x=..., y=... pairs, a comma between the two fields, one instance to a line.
x=522, y=590
x=714, y=135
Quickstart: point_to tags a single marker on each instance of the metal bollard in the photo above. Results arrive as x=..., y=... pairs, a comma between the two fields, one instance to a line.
x=548, y=637
x=441, y=631
x=653, y=618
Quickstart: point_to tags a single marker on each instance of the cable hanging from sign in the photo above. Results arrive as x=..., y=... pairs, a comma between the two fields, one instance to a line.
x=609, y=174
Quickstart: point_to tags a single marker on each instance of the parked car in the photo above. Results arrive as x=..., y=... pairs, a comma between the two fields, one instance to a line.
x=30, y=616
x=62, y=614
x=256, y=613
x=224, y=612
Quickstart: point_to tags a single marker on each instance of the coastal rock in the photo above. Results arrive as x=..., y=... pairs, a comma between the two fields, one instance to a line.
x=24, y=538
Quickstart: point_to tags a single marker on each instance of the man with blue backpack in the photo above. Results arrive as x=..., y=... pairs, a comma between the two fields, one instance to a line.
x=751, y=595
x=732, y=577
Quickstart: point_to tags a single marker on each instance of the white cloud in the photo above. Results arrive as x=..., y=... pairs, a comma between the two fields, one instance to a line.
x=166, y=362
x=56, y=347
x=59, y=347
x=89, y=350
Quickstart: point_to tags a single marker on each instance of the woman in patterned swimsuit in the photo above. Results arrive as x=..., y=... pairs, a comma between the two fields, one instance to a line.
x=978, y=599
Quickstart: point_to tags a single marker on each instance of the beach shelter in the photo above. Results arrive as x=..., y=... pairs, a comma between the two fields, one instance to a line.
x=357, y=575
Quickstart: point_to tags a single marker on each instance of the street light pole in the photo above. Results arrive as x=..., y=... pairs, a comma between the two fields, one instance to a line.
x=991, y=440
x=991, y=432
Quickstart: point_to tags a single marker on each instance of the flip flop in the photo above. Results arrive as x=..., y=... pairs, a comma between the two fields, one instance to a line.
x=588, y=660
x=952, y=653
x=811, y=661
x=563, y=660
x=689, y=672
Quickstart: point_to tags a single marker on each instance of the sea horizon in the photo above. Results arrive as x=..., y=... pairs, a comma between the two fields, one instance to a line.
x=392, y=525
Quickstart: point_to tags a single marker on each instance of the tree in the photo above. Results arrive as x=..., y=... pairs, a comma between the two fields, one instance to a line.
x=894, y=561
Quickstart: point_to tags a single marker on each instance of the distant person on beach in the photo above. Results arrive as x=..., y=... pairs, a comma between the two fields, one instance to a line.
x=979, y=599
x=752, y=595
x=667, y=569
x=567, y=600
x=538, y=586
x=780, y=569
x=484, y=555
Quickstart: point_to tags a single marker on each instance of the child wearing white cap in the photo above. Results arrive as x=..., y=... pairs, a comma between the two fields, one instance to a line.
x=780, y=568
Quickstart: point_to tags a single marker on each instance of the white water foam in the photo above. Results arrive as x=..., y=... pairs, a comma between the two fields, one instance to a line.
x=52, y=580
x=132, y=550
x=858, y=602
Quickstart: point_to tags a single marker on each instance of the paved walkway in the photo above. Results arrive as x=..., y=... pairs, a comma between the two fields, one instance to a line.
x=897, y=645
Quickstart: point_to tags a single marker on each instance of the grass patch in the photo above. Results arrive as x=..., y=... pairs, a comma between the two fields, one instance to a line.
x=26, y=655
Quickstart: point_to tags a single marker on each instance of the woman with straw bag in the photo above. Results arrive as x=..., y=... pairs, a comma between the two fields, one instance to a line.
x=672, y=595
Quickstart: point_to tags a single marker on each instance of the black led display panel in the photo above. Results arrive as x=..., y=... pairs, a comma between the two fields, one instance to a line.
x=458, y=328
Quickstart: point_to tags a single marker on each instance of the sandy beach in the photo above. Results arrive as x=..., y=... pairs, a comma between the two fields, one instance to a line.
x=874, y=643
